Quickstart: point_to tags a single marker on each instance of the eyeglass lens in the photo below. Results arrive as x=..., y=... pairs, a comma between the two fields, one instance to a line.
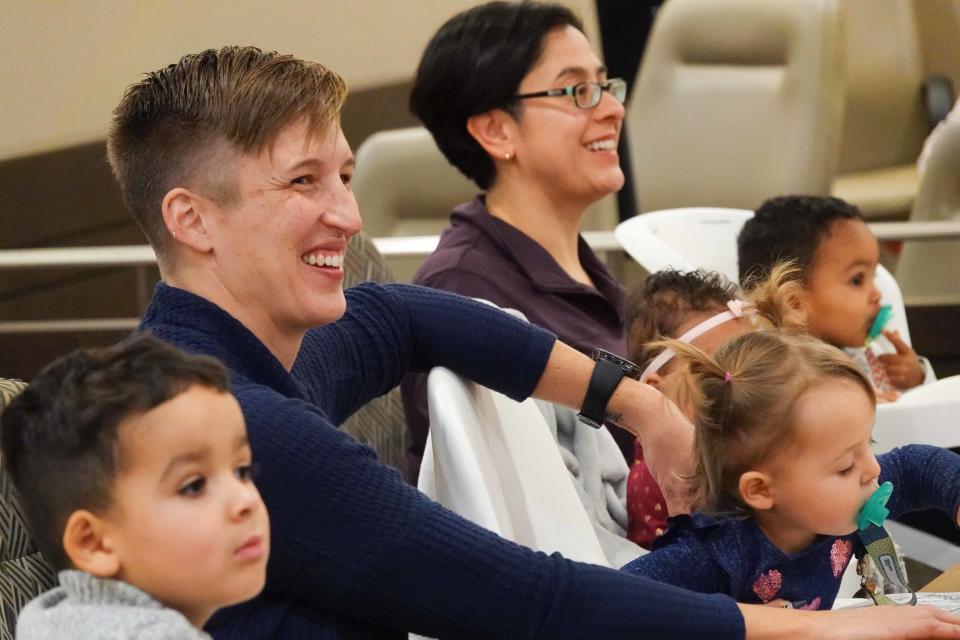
x=588, y=94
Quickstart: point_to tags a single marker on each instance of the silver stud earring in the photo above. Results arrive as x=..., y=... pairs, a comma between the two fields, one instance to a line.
x=506, y=156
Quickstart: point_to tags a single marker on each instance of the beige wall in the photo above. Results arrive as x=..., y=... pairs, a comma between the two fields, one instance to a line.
x=65, y=63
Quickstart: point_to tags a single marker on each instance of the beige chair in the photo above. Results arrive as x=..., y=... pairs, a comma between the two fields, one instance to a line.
x=885, y=120
x=405, y=187
x=929, y=271
x=737, y=101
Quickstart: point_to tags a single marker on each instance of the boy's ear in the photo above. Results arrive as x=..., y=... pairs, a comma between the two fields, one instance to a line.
x=756, y=490
x=87, y=547
x=186, y=216
x=654, y=380
x=493, y=131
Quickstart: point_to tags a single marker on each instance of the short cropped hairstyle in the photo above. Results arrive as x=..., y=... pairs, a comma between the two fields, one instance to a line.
x=788, y=228
x=475, y=63
x=59, y=437
x=743, y=398
x=658, y=308
x=172, y=128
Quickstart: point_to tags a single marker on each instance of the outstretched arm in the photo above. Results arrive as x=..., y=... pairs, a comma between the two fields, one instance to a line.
x=923, y=477
x=868, y=623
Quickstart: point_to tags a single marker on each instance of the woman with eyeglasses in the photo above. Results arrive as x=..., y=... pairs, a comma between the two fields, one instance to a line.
x=518, y=101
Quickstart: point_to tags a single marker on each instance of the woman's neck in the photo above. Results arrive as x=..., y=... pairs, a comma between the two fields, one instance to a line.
x=553, y=225
x=284, y=345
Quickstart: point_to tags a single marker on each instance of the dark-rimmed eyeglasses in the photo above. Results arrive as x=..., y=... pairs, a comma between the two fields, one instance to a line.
x=586, y=95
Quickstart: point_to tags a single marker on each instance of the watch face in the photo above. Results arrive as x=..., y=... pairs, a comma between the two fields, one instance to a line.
x=629, y=369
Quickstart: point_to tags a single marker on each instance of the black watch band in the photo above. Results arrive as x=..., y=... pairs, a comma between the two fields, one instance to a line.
x=607, y=374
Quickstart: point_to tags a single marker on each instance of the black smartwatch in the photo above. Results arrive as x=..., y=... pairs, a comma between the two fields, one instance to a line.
x=608, y=371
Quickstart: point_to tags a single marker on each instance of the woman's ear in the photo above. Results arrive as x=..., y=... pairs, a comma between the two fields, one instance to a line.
x=186, y=215
x=756, y=490
x=493, y=131
x=87, y=547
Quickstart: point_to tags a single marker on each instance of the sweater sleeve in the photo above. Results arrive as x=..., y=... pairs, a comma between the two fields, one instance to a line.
x=923, y=477
x=349, y=536
x=389, y=330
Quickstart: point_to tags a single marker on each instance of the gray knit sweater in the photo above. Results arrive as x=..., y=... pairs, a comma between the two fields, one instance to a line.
x=92, y=608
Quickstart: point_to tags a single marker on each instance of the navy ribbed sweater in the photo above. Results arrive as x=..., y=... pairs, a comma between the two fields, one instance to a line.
x=356, y=552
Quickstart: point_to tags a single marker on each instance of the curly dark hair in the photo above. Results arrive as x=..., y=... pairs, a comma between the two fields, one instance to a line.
x=658, y=308
x=788, y=228
x=59, y=437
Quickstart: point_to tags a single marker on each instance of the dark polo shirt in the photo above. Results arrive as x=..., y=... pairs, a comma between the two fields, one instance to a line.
x=484, y=257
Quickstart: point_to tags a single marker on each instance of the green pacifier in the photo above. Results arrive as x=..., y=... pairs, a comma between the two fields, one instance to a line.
x=875, y=510
x=883, y=317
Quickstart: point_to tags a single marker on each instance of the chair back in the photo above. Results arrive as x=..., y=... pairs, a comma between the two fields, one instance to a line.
x=495, y=462
x=706, y=238
x=884, y=121
x=24, y=573
x=928, y=270
x=736, y=102
x=405, y=186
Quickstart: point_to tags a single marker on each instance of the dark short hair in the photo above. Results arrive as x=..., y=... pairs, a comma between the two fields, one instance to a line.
x=475, y=63
x=658, y=308
x=59, y=437
x=788, y=228
x=171, y=128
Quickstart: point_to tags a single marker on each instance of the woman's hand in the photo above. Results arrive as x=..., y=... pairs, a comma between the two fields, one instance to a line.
x=865, y=623
x=666, y=436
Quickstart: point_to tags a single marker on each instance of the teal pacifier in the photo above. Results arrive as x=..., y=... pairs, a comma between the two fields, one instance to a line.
x=883, y=317
x=875, y=510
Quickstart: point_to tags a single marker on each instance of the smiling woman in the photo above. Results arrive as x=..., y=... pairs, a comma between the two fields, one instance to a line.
x=518, y=101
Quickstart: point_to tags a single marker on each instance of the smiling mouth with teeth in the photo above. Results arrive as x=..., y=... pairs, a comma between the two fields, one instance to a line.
x=602, y=145
x=317, y=260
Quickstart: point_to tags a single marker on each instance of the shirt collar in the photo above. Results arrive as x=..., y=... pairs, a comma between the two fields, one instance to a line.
x=197, y=324
x=542, y=270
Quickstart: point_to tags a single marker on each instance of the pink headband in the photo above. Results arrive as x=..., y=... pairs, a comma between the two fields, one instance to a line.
x=735, y=311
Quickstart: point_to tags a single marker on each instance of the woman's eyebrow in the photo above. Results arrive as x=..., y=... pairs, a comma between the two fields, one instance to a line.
x=579, y=71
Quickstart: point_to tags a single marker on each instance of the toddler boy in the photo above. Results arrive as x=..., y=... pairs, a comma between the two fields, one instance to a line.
x=134, y=473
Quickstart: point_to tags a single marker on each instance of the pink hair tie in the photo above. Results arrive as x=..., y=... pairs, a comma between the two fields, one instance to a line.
x=727, y=377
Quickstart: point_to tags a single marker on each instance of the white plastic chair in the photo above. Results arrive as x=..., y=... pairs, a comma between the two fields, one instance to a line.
x=494, y=461
x=926, y=415
x=706, y=238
